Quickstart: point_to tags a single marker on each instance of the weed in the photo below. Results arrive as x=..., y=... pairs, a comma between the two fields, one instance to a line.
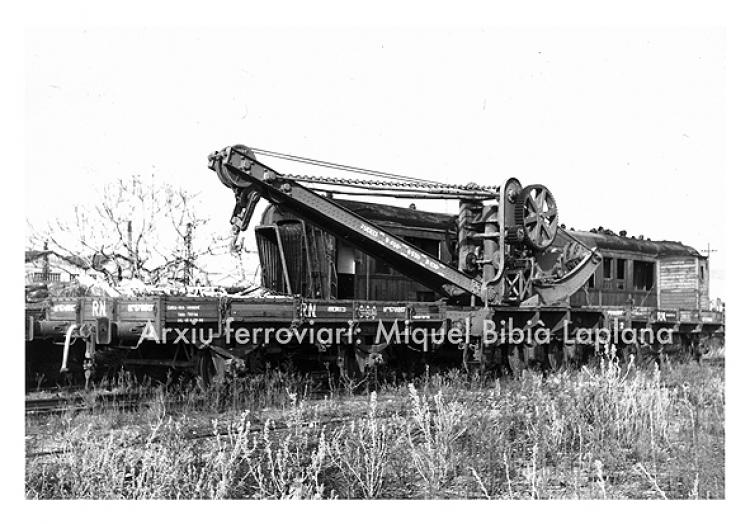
x=606, y=431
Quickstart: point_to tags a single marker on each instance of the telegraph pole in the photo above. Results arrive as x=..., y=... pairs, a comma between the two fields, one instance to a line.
x=708, y=250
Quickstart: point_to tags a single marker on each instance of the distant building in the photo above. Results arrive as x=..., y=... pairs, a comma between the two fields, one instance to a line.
x=43, y=266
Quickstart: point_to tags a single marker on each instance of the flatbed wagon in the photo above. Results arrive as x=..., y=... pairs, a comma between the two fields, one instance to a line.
x=361, y=284
x=210, y=334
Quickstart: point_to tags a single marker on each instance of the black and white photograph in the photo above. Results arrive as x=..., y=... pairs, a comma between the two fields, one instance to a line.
x=267, y=259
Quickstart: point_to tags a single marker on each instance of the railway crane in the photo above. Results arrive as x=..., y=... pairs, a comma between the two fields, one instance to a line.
x=510, y=249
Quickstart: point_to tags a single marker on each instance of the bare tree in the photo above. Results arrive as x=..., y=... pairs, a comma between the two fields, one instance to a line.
x=140, y=228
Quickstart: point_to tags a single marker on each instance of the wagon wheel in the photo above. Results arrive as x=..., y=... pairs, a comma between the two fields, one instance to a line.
x=648, y=356
x=555, y=356
x=205, y=367
x=516, y=361
x=681, y=350
x=255, y=362
x=536, y=212
x=210, y=367
x=347, y=367
x=697, y=349
x=473, y=359
x=626, y=353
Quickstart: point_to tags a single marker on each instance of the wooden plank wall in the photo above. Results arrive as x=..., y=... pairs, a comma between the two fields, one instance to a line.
x=678, y=283
x=385, y=288
x=705, y=297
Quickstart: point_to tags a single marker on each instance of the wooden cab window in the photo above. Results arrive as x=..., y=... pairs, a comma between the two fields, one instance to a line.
x=643, y=275
x=620, y=269
x=428, y=245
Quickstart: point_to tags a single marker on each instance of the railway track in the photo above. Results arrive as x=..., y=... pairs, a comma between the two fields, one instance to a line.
x=81, y=402
x=277, y=428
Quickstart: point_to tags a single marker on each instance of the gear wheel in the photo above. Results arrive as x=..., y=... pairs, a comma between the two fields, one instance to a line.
x=536, y=213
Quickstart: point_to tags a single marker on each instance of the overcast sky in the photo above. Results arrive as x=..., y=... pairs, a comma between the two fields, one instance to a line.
x=626, y=127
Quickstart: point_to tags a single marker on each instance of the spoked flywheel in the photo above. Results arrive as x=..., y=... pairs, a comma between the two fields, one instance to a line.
x=536, y=212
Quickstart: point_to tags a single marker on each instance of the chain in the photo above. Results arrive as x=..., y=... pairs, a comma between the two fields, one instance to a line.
x=405, y=186
x=388, y=181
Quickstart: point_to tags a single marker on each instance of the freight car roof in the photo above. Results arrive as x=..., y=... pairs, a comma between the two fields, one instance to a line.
x=659, y=248
x=603, y=241
x=400, y=215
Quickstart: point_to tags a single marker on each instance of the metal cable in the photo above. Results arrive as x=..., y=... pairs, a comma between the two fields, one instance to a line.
x=333, y=165
x=405, y=182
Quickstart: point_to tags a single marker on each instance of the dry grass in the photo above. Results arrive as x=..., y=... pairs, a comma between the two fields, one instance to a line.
x=609, y=432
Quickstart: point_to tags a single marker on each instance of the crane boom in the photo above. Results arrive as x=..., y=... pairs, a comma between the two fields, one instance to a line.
x=239, y=170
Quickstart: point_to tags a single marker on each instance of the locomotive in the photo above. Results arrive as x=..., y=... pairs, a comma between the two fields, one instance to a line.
x=364, y=270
